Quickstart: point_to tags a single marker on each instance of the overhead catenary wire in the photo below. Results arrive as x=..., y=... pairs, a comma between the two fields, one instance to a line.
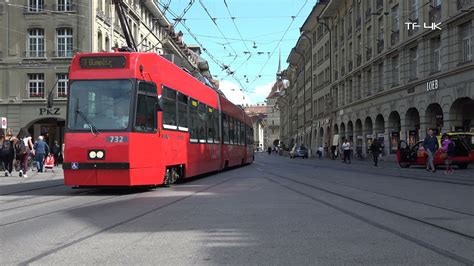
x=214, y=59
x=276, y=47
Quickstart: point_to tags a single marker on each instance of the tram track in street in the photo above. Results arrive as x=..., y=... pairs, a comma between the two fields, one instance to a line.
x=120, y=223
x=41, y=202
x=363, y=171
x=58, y=211
x=31, y=189
x=401, y=234
x=392, y=196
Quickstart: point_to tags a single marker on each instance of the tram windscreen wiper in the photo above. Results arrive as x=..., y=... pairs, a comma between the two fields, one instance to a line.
x=93, y=128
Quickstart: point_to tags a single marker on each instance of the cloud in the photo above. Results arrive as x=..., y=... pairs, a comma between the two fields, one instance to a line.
x=233, y=92
x=260, y=93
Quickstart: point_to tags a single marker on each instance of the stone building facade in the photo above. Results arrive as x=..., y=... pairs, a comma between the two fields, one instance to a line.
x=368, y=75
x=258, y=114
x=39, y=38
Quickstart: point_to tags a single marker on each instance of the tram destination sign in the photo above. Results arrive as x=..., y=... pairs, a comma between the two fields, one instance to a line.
x=102, y=62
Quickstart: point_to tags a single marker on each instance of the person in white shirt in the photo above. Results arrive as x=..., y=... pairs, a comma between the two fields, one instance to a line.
x=320, y=152
x=346, y=147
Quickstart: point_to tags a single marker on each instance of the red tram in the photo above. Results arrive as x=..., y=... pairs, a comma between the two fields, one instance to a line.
x=136, y=119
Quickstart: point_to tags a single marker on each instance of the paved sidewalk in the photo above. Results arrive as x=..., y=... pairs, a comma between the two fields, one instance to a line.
x=33, y=176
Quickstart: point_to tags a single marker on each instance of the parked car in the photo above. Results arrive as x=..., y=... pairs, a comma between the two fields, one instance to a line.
x=299, y=151
x=416, y=155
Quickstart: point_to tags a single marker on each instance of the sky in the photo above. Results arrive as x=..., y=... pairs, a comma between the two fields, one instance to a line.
x=247, y=46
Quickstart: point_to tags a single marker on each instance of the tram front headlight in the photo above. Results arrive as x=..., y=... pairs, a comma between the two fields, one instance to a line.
x=100, y=154
x=92, y=154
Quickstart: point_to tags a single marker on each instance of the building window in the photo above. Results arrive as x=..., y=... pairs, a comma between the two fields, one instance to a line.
x=35, y=5
x=36, y=43
x=380, y=77
x=414, y=6
x=465, y=36
x=36, y=85
x=358, y=87
x=395, y=26
x=99, y=42
x=369, y=82
x=349, y=91
x=64, y=5
x=436, y=52
x=62, y=84
x=64, y=42
x=395, y=71
x=413, y=63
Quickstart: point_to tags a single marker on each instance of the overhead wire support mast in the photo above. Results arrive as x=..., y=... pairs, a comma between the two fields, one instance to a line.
x=125, y=27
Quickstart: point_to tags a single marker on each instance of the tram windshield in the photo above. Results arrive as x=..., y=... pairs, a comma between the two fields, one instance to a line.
x=99, y=105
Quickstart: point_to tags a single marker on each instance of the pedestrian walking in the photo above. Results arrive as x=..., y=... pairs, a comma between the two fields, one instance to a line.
x=7, y=151
x=23, y=148
x=320, y=152
x=56, y=150
x=62, y=152
x=41, y=150
x=269, y=150
x=375, y=149
x=447, y=146
x=430, y=143
x=346, y=149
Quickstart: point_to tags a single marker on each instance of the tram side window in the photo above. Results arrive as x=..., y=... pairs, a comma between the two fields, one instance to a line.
x=182, y=112
x=231, y=130
x=242, y=134
x=202, y=123
x=216, y=127
x=236, y=132
x=169, y=108
x=145, y=119
x=237, y=129
x=246, y=135
x=252, y=141
x=193, y=121
x=210, y=125
x=225, y=128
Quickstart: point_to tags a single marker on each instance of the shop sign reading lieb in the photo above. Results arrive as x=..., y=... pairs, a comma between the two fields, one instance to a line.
x=432, y=85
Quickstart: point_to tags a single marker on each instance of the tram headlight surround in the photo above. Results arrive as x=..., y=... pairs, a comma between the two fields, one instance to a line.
x=100, y=154
x=92, y=154
x=96, y=154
